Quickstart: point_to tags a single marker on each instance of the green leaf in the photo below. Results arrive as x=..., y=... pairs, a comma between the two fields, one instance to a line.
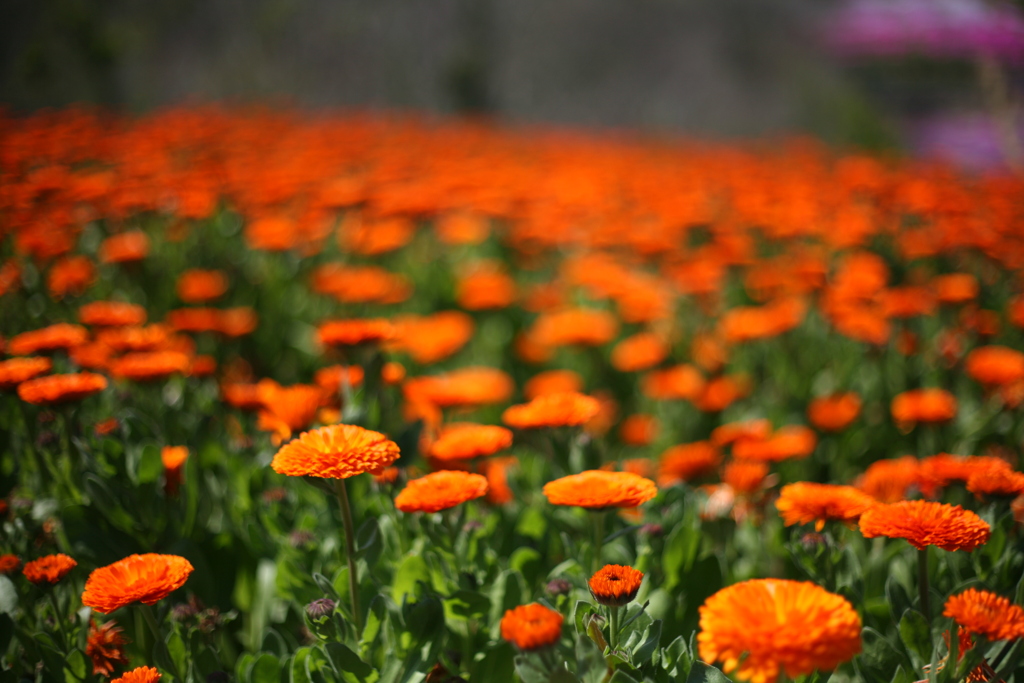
x=532, y=524
x=896, y=596
x=495, y=664
x=580, y=613
x=622, y=677
x=527, y=561
x=468, y=604
x=348, y=664
x=681, y=548
x=646, y=649
x=530, y=670
x=591, y=666
x=369, y=542
x=425, y=620
x=75, y=667
x=151, y=465
x=673, y=653
x=8, y=596
x=265, y=669
x=176, y=649
x=916, y=635
x=324, y=584
x=705, y=673
x=411, y=572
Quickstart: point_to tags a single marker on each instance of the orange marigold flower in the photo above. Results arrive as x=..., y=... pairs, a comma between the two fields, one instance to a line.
x=51, y=338
x=145, y=338
x=202, y=366
x=889, y=480
x=923, y=405
x=733, y=432
x=995, y=365
x=288, y=409
x=143, y=674
x=995, y=480
x=336, y=452
x=237, y=322
x=597, y=489
x=720, y=393
x=467, y=441
x=553, y=382
x=638, y=430
x=986, y=614
x=355, y=331
x=54, y=389
x=146, y=366
x=615, y=585
x=763, y=627
x=49, y=569
x=791, y=441
x=745, y=477
x=199, y=319
x=834, y=413
x=125, y=247
x=680, y=382
x=462, y=228
x=531, y=627
x=578, y=326
x=485, y=287
x=14, y=371
x=639, y=352
x=924, y=523
x=111, y=314
x=938, y=471
x=805, y=502
x=9, y=563
x=331, y=378
x=105, y=647
x=955, y=288
x=496, y=471
x=173, y=458
x=199, y=286
x=431, y=338
x=389, y=475
x=392, y=373
x=70, y=275
x=95, y=356
x=242, y=395
x=440, y=490
x=463, y=387
x=145, y=578
x=552, y=410
x=10, y=276
x=687, y=461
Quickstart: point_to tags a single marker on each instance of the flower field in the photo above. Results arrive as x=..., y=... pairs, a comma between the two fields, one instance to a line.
x=352, y=397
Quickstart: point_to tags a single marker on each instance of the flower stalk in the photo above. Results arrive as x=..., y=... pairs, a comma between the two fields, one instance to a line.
x=350, y=552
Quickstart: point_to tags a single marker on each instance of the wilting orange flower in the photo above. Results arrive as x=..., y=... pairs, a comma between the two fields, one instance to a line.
x=70, y=275
x=145, y=578
x=923, y=405
x=889, y=480
x=146, y=366
x=463, y=387
x=805, y=502
x=14, y=371
x=763, y=627
x=199, y=286
x=355, y=331
x=143, y=674
x=466, y=441
x=485, y=287
x=127, y=246
x=995, y=365
x=9, y=563
x=995, y=480
x=639, y=352
x=173, y=458
x=553, y=382
x=49, y=569
x=335, y=452
x=111, y=314
x=431, y=338
x=61, y=388
x=955, y=288
x=791, y=441
x=552, y=410
x=834, y=413
x=924, y=523
x=51, y=338
x=687, y=461
x=638, y=430
x=105, y=647
x=986, y=614
x=745, y=477
x=680, y=382
x=531, y=627
x=577, y=326
x=440, y=490
x=596, y=489
x=615, y=585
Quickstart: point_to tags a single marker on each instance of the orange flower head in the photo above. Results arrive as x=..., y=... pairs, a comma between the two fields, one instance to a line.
x=745, y=477
x=467, y=441
x=687, y=461
x=834, y=413
x=51, y=338
x=332, y=378
x=924, y=523
x=789, y=442
x=939, y=471
x=680, y=382
x=355, y=331
x=638, y=430
x=531, y=627
x=125, y=247
x=496, y=471
x=48, y=570
x=199, y=286
x=805, y=502
x=721, y=392
x=53, y=389
x=9, y=563
x=986, y=614
x=486, y=287
x=14, y=371
x=553, y=382
x=70, y=275
x=105, y=647
x=145, y=578
x=111, y=314
x=288, y=409
x=734, y=432
x=470, y=386
x=552, y=410
x=598, y=489
x=440, y=490
x=640, y=352
x=432, y=338
x=143, y=674
x=888, y=481
x=615, y=585
x=392, y=373
x=955, y=288
x=995, y=479
x=995, y=365
x=237, y=322
x=335, y=452
x=763, y=627
x=462, y=228
x=173, y=458
x=149, y=366
x=579, y=326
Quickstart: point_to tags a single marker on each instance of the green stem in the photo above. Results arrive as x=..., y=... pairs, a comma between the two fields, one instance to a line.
x=154, y=626
x=58, y=618
x=598, y=538
x=350, y=552
x=613, y=627
x=922, y=582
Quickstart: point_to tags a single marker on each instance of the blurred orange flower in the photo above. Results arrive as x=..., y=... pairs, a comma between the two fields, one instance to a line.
x=638, y=430
x=639, y=352
x=50, y=338
x=54, y=389
x=148, y=366
x=355, y=331
x=14, y=371
x=995, y=365
x=834, y=413
x=466, y=441
x=531, y=627
x=687, y=461
x=111, y=313
x=199, y=286
x=924, y=523
x=49, y=570
x=124, y=247
x=553, y=382
x=597, y=489
x=805, y=502
x=463, y=387
x=440, y=490
x=680, y=382
x=923, y=405
x=552, y=410
x=70, y=275
x=105, y=647
x=145, y=578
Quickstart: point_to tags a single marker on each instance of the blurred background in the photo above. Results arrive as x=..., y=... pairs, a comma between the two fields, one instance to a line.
x=935, y=78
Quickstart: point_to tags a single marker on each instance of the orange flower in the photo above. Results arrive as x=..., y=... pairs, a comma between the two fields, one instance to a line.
x=360, y=284
x=111, y=314
x=125, y=247
x=889, y=480
x=496, y=471
x=335, y=452
x=531, y=627
x=14, y=371
x=938, y=471
x=173, y=458
x=485, y=287
x=429, y=339
x=70, y=275
x=955, y=288
x=639, y=352
x=462, y=228
x=553, y=382
x=199, y=286
x=288, y=409
x=330, y=379
x=923, y=405
x=237, y=322
x=687, y=461
x=51, y=338
x=986, y=614
x=680, y=382
x=597, y=489
x=577, y=326
x=54, y=389
x=762, y=627
x=615, y=585
x=805, y=502
x=995, y=480
x=10, y=276
x=200, y=319
x=145, y=578
x=791, y=441
x=467, y=441
x=733, y=432
x=106, y=427
x=834, y=413
x=720, y=393
x=463, y=387
x=355, y=331
x=148, y=366
x=552, y=410
x=745, y=477
x=9, y=563
x=105, y=647
x=49, y=569
x=392, y=373
x=144, y=338
x=995, y=365
x=440, y=490
x=638, y=430
x=143, y=674
x=925, y=523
